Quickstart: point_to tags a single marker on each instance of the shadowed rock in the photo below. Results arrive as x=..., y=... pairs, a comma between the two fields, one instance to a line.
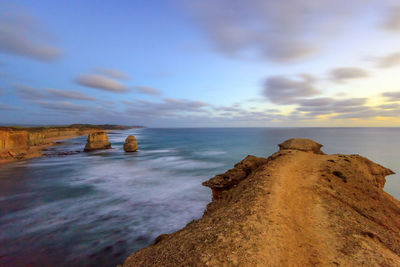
x=130, y=144
x=97, y=140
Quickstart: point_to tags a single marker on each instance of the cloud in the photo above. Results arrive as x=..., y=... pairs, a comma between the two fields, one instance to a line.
x=388, y=61
x=23, y=35
x=389, y=106
x=69, y=94
x=63, y=106
x=183, y=104
x=281, y=31
x=392, y=96
x=230, y=109
x=33, y=94
x=392, y=21
x=369, y=113
x=351, y=108
x=347, y=73
x=7, y=107
x=147, y=90
x=30, y=93
x=327, y=105
x=100, y=82
x=283, y=90
x=168, y=107
x=183, y=112
x=112, y=73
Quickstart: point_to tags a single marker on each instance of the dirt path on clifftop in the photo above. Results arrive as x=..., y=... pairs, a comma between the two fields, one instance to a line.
x=295, y=215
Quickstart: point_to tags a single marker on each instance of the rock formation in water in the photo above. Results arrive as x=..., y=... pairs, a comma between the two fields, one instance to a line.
x=299, y=207
x=19, y=143
x=130, y=144
x=96, y=141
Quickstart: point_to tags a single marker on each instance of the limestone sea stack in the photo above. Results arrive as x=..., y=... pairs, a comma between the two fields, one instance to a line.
x=97, y=140
x=130, y=144
x=298, y=207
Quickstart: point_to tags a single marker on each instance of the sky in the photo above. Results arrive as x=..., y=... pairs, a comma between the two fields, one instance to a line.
x=200, y=63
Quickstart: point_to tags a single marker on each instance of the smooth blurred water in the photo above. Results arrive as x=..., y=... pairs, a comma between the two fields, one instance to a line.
x=94, y=209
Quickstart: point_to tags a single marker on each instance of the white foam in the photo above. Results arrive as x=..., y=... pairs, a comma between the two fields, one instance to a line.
x=209, y=153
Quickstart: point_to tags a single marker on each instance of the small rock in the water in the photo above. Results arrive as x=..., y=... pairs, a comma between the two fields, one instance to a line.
x=97, y=140
x=130, y=144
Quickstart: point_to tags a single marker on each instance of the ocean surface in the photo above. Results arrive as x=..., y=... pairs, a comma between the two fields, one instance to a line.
x=72, y=208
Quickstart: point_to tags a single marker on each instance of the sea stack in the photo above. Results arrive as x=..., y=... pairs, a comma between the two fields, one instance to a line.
x=97, y=140
x=298, y=207
x=130, y=144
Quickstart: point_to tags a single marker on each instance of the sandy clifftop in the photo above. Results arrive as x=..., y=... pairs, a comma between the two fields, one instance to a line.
x=299, y=207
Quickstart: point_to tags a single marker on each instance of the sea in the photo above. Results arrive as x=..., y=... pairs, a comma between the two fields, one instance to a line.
x=72, y=208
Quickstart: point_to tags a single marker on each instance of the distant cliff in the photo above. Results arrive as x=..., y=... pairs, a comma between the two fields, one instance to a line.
x=299, y=207
x=17, y=143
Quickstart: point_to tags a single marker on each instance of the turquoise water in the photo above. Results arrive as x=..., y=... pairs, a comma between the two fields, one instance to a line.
x=94, y=209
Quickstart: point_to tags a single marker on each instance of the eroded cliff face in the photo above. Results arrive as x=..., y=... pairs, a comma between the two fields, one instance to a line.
x=299, y=207
x=13, y=144
x=22, y=144
x=36, y=138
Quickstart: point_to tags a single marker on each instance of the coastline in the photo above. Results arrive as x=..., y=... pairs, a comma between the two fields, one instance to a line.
x=161, y=183
x=36, y=151
x=299, y=206
x=17, y=144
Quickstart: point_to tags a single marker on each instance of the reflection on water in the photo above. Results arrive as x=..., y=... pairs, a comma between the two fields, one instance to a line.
x=86, y=209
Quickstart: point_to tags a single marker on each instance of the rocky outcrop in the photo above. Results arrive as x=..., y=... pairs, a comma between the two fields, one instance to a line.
x=299, y=207
x=306, y=145
x=223, y=182
x=96, y=141
x=130, y=144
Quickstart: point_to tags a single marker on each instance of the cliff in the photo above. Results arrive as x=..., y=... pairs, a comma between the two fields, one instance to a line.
x=18, y=143
x=299, y=207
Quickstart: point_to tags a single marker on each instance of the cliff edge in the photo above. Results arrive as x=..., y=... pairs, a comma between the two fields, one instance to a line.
x=299, y=207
